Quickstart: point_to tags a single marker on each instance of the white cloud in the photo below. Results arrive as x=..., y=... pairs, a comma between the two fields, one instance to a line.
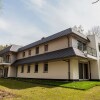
x=18, y=32
x=55, y=17
x=68, y=13
x=3, y=24
x=38, y=3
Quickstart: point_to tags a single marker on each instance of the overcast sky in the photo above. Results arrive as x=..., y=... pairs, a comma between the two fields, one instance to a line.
x=25, y=21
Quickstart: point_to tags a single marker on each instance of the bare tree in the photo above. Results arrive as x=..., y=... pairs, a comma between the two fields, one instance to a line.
x=95, y=1
x=94, y=31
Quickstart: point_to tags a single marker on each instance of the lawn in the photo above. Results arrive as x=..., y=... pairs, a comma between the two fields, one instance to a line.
x=33, y=91
x=82, y=85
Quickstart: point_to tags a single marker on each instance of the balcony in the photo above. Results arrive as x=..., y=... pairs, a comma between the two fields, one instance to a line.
x=88, y=51
x=91, y=51
x=4, y=62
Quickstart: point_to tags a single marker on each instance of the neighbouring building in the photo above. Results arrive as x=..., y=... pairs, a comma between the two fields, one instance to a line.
x=67, y=55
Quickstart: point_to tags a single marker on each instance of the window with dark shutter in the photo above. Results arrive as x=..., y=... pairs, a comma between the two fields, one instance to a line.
x=28, y=69
x=46, y=47
x=36, y=68
x=29, y=52
x=23, y=54
x=37, y=50
x=45, y=68
x=22, y=69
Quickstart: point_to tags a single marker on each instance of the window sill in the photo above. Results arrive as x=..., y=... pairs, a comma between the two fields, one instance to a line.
x=35, y=72
x=45, y=72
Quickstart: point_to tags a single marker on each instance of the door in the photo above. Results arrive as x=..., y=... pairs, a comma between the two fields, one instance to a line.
x=83, y=71
x=5, y=72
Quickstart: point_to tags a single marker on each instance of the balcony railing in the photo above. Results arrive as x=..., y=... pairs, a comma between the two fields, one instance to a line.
x=5, y=61
x=88, y=50
x=91, y=51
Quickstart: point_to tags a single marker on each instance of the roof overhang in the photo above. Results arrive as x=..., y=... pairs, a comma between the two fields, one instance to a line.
x=59, y=54
x=5, y=64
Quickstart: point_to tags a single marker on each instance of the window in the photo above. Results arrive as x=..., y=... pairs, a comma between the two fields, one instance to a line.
x=29, y=52
x=28, y=69
x=37, y=50
x=46, y=47
x=23, y=54
x=22, y=68
x=45, y=68
x=81, y=46
x=36, y=68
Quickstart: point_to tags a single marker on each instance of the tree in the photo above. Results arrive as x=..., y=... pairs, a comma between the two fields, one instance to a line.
x=94, y=31
x=95, y=1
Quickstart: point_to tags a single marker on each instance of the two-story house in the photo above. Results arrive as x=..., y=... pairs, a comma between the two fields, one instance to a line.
x=67, y=55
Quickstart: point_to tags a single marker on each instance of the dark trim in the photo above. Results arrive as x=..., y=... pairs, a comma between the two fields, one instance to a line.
x=16, y=70
x=90, y=69
x=45, y=79
x=68, y=69
x=95, y=80
x=53, y=79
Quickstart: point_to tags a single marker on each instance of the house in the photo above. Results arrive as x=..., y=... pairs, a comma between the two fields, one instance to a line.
x=66, y=55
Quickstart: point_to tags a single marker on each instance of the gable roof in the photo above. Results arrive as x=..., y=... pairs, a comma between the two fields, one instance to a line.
x=55, y=36
x=63, y=53
x=12, y=48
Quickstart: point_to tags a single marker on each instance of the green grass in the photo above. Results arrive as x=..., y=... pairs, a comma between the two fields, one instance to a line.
x=82, y=85
x=33, y=91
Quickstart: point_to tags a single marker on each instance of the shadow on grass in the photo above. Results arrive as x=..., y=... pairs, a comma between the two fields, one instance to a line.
x=24, y=83
x=20, y=83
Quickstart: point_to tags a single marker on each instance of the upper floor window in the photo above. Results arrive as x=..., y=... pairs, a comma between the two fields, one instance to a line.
x=36, y=68
x=81, y=46
x=23, y=54
x=22, y=68
x=28, y=69
x=45, y=68
x=29, y=52
x=46, y=47
x=7, y=58
x=37, y=50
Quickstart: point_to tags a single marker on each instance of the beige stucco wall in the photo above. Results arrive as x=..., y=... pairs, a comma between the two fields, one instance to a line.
x=57, y=44
x=95, y=65
x=94, y=70
x=74, y=71
x=56, y=70
x=11, y=71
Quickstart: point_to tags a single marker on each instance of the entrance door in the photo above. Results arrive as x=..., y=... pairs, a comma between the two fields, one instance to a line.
x=83, y=71
x=5, y=72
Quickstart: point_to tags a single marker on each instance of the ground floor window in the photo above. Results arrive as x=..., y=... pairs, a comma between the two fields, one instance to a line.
x=22, y=69
x=45, y=68
x=28, y=69
x=36, y=68
x=83, y=71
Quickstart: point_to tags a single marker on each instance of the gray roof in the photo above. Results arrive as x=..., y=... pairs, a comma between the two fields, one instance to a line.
x=63, y=53
x=12, y=48
x=54, y=36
